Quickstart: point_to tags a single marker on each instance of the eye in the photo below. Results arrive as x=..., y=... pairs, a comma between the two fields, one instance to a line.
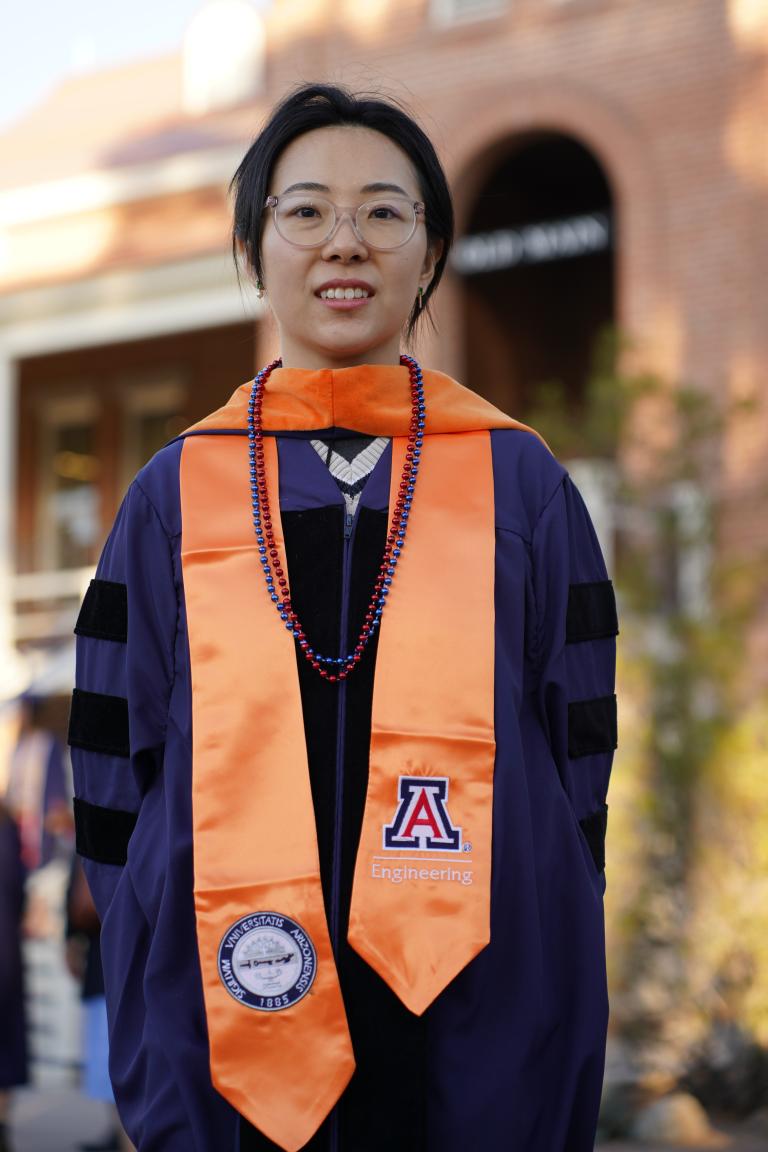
x=303, y=211
x=386, y=211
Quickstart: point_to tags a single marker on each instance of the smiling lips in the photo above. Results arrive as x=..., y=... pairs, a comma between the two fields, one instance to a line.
x=344, y=295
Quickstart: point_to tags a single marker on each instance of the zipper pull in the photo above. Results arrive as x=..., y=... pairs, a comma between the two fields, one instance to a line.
x=348, y=525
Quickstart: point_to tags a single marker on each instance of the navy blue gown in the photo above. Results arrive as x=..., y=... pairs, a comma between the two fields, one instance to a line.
x=510, y=1056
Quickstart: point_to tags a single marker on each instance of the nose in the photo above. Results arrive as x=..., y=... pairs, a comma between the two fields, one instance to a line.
x=344, y=243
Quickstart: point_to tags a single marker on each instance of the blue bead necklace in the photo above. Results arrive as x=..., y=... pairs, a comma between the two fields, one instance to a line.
x=277, y=583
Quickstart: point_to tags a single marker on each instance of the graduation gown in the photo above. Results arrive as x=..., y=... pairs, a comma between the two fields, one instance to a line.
x=511, y=1054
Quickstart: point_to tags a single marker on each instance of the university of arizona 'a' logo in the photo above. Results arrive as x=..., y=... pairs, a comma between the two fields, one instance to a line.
x=422, y=819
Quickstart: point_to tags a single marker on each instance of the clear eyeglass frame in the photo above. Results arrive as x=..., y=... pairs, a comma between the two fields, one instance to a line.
x=353, y=213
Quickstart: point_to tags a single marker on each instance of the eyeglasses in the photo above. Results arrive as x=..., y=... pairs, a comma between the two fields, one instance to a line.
x=309, y=221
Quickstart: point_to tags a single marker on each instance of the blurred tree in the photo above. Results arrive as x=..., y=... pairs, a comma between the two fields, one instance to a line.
x=687, y=601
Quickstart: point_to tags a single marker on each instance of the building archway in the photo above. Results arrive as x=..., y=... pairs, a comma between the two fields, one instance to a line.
x=536, y=263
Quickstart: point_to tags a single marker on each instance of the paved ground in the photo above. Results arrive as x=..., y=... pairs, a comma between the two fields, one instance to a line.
x=57, y=1119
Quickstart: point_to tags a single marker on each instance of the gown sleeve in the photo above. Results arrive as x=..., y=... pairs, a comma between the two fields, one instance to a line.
x=576, y=656
x=126, y=634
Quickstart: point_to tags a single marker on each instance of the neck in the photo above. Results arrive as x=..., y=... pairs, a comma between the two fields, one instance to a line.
x=318, y=364
x=294, y=355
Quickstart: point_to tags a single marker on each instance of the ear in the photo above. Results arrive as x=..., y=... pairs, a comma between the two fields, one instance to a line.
x=431, y=258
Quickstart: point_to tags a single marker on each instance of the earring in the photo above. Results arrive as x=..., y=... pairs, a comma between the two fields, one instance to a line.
x=420, y=298
x=259, y=289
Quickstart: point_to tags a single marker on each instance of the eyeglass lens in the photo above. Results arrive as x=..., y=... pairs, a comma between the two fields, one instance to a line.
x=310, y=220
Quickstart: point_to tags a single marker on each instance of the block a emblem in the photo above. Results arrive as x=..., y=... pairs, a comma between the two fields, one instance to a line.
x=421, y=821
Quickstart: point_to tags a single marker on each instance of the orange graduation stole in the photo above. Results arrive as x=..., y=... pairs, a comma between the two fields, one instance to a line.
x=279, y=1043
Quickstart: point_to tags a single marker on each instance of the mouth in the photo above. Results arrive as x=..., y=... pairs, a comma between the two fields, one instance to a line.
x=344, y=300
x=344, y=294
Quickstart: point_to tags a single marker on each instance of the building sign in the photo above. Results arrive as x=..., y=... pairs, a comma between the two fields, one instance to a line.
x=532, y=244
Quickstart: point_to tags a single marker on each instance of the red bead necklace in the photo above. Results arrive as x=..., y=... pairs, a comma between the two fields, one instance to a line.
x=277, y=583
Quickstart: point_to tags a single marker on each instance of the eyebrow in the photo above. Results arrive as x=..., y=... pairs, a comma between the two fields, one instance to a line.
x=377, y=186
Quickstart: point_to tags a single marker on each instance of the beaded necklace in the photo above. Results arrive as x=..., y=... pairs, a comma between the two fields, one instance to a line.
x=268, y=553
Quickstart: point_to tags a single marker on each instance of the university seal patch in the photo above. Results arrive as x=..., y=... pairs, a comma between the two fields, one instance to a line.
x=267, y=961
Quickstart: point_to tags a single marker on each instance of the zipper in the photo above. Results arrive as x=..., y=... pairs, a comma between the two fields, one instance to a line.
x=349, y=527
x=350, y=523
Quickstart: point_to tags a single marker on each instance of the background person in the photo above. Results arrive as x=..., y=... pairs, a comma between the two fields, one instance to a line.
x=83, y=954
x=13, y=1039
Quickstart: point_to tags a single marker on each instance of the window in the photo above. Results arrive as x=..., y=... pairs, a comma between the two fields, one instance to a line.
x=68, y=514
x=88, y=420
x=153, y=408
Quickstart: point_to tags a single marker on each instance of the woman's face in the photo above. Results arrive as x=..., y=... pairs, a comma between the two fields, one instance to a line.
x=342, y=163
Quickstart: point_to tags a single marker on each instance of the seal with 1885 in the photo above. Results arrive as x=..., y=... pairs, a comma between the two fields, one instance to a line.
x=267, y=961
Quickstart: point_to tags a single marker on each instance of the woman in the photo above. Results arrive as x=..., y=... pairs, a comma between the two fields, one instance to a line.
x=339, y=912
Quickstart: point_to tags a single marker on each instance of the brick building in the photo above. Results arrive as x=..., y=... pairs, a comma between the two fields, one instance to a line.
x=609, y=163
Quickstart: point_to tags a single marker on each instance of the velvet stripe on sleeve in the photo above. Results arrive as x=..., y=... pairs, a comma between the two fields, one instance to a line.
x=575, y=649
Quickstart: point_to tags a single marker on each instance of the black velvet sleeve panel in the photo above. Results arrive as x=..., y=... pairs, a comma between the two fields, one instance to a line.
x=591, y=613
x=104, y=611
x=592, y=726
x=102, y=834
x=99, y=723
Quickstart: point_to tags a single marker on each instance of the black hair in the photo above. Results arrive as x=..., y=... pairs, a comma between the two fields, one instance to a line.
x=319, y=106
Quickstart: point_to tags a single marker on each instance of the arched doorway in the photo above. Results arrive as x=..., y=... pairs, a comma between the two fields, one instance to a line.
x=536, y=260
